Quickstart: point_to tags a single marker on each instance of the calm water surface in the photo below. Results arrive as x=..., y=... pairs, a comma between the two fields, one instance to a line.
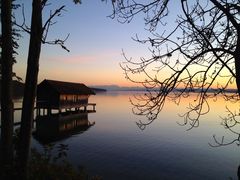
x=115, y=148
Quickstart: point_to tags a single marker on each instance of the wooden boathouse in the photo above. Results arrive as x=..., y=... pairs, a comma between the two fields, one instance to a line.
x=63, y=97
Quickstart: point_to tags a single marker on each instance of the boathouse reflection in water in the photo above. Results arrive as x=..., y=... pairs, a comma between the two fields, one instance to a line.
x=67, y=113
x=60, y=126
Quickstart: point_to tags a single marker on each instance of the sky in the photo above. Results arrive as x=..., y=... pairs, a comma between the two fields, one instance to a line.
x=96, y=43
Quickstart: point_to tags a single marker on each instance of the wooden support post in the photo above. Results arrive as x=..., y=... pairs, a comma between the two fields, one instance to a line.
x=36, y=112
x=49, y=111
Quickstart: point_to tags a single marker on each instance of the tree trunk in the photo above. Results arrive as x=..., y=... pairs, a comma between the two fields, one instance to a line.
x=30, y=87
x=237, y=63
x=6, y=91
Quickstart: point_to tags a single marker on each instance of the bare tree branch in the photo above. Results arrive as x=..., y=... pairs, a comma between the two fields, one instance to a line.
x=198, y=53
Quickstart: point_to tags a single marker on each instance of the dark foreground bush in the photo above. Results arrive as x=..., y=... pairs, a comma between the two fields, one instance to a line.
x=49, y=164
x=45, y=166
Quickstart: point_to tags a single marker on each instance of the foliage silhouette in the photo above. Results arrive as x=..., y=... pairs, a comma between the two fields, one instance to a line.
x=45, y=165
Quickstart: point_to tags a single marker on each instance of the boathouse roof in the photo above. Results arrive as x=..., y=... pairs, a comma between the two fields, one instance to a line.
x=67, y=87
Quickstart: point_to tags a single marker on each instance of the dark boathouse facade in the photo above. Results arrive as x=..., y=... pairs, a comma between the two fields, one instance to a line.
x=59, y=95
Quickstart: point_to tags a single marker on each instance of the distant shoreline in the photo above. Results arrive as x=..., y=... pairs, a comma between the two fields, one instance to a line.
x=18, y=89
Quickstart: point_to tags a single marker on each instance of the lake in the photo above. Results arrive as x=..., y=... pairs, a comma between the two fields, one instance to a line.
x=115, y=148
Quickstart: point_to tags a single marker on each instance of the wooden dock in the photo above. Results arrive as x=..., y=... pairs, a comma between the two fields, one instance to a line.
x=77, y=108
x=69, y=111
x=85, y=106
x=15, y=109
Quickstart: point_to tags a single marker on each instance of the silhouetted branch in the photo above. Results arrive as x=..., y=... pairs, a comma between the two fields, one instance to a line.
x=58, y=42
x=199, y=53
x=231, y=123
x=219, y=143
x=155, y=11
x=49, y=22
x=46, y=26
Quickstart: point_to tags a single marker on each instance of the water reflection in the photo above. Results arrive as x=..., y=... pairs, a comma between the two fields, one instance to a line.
x=58, y=127
x=116, y=148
